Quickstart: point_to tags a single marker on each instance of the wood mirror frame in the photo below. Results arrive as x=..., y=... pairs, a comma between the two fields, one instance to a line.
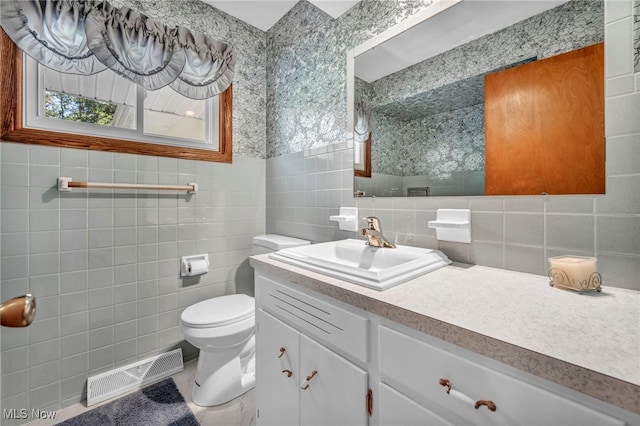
x=12, y=129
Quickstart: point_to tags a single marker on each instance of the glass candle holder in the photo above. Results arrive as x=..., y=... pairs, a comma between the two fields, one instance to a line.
x=574, y=272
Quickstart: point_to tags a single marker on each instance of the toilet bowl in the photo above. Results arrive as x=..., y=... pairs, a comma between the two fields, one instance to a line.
x=223, y=328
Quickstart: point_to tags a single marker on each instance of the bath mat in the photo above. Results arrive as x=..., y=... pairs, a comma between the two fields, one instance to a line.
x=159, y=404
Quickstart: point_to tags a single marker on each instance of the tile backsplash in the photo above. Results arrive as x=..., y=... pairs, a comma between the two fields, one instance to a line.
x=516, y=233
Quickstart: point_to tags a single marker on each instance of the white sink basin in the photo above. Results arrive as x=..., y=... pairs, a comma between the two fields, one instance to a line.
x=354, y=261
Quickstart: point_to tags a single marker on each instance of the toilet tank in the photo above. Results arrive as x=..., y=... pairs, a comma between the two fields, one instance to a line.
x=272, y=242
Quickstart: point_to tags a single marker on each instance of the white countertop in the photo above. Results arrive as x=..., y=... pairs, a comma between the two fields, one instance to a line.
x=589, y=342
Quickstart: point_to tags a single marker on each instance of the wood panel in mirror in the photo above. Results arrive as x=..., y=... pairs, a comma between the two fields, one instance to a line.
x=544, y=126
x=12, y=129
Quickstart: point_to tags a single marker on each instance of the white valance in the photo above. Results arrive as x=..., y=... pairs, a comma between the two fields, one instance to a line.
x=88, y=36
x=363, y=122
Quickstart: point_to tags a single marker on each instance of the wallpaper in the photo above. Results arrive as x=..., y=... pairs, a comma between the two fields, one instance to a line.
x=306, y=87
x=249, y=90
x=451, y=141
x=306, y=70
x=636, y=35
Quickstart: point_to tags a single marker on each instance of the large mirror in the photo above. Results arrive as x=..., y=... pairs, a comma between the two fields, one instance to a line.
x=441, y=108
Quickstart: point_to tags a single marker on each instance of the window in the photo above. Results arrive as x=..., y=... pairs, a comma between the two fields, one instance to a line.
x=362, y=158
x=107, y=112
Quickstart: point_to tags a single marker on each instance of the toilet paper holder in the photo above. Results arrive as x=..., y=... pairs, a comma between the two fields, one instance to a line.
x=197, y=264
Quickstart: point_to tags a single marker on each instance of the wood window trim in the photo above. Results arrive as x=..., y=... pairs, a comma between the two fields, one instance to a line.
x=366, y=172
x=12, y=129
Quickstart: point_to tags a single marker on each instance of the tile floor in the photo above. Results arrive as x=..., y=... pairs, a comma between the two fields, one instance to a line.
x=238, y=412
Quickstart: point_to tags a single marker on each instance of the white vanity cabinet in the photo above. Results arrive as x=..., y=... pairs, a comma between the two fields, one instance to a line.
x=298, y=380
x=414, y=378
x=305, y=383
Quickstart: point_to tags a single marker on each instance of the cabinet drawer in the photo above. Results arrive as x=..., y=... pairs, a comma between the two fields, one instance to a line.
x=397, y=409
x=416, y=367
x=339, y=328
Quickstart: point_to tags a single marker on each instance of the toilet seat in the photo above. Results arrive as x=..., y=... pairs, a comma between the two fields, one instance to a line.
x=219, y=311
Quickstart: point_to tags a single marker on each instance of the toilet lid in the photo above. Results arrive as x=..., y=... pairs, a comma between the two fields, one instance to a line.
x=278, y=242
x=219, y=311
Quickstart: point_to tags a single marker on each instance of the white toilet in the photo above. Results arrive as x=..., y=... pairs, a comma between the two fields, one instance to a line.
x=223, y=328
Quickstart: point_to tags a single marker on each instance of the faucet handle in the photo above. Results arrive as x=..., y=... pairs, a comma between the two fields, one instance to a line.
x=373, y=223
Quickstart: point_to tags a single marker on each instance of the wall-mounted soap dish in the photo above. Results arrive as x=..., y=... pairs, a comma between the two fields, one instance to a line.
x=347, y=219
x=452, y=225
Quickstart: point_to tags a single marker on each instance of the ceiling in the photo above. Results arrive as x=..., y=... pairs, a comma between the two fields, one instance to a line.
x=264, y=13
x=445, y=32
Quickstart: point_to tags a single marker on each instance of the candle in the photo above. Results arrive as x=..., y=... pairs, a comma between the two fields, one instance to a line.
x=575, y=272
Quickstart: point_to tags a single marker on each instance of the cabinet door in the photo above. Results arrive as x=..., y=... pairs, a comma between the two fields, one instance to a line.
x=397, y=409
x=336, y=394
x=276, y=392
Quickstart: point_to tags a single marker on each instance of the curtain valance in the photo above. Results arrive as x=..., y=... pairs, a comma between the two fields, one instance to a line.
x=364, y=122
x=88, y=36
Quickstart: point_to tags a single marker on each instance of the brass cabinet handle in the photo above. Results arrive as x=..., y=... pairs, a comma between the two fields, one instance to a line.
x=284, y=362
x=445, y=382
x=490, y=404
x=305, y=384
x=312, y=375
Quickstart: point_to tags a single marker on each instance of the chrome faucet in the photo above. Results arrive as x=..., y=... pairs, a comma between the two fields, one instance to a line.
x=373, y=231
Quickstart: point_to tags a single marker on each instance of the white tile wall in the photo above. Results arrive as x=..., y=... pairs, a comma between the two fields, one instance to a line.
x=104, y=265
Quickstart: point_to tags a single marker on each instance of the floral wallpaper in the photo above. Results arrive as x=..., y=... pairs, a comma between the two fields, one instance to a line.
x=306, y=70
x=451, y=141
x=636, y=34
